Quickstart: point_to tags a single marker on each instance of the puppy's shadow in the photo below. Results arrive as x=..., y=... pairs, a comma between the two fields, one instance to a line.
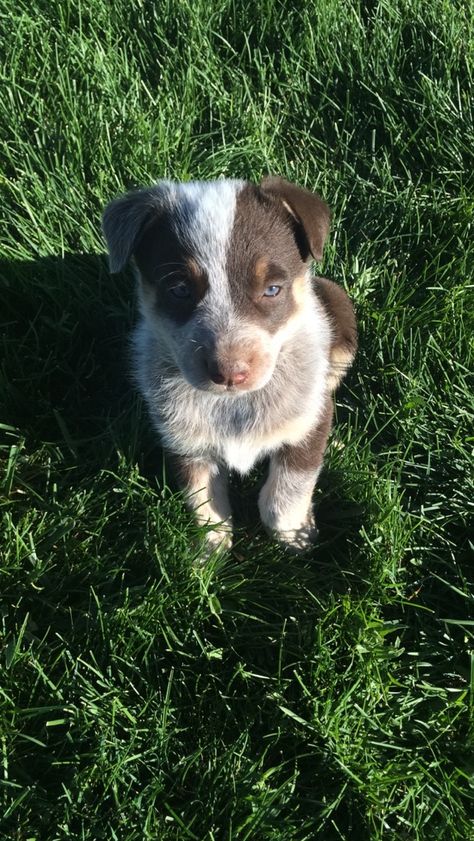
x=65, y=359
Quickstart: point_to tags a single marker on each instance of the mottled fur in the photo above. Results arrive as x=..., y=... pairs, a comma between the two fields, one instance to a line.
x=232, y=370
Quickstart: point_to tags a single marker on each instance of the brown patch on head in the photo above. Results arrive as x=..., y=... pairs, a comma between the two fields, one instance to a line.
x=263, y=254
x=171, y=275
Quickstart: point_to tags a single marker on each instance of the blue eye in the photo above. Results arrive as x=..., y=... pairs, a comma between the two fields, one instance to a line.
x=272, y=291
x=181, y=290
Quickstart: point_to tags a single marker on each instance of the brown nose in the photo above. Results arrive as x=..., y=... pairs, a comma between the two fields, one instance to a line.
x=229, y=378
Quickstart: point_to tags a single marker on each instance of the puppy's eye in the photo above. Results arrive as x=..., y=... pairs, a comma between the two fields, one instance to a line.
x=181, y=290
x=271, y=291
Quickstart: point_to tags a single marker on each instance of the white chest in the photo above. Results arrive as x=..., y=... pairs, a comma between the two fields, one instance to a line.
x=238, y=434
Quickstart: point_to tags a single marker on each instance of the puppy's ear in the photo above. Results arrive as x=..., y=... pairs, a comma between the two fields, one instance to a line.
x=310, y=212
x=125, y=220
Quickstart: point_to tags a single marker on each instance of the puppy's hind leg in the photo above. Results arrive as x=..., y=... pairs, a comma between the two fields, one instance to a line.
x=205, y=486
x=285, y=501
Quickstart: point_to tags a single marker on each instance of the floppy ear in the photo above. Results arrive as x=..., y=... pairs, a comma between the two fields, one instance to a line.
x=124, y=221
x=311, y=213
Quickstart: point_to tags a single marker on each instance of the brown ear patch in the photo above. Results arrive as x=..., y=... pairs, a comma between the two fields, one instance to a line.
x=308, y=209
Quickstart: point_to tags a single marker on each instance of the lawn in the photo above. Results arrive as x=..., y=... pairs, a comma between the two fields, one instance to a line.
x=259, y=697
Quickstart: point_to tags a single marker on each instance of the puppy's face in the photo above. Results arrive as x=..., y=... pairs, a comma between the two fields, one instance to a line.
x=223, y=272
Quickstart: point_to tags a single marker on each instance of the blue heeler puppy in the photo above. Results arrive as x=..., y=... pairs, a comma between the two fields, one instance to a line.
x=238, y=348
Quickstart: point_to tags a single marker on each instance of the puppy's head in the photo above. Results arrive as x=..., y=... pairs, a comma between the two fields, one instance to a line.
x=223, y=269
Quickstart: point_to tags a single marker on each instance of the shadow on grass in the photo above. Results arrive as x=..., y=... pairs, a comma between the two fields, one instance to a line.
x=64, y=373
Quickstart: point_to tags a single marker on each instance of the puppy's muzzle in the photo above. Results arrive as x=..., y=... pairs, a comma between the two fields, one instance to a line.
x=235, y=363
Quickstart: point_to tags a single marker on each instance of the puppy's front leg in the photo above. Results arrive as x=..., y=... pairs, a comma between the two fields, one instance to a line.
x=205, y=485
x=285, y=501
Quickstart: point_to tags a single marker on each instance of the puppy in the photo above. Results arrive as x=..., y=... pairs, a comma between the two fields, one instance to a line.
x=238, y=348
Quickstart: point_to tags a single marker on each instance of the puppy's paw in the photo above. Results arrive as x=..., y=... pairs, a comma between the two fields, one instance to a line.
x=215, y=541
x=298, y=540
x=293, y=527
x=219, y=540
x=296, y=537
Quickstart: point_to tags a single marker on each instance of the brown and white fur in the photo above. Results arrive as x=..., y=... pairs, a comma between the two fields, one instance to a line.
x=238, y=348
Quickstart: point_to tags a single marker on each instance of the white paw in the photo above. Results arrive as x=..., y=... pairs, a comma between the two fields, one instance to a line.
x=216, y=540
x=299, y=539
x=219, y=539
x=294, y=527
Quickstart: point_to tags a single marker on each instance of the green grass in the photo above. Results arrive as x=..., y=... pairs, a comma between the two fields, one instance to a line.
x=260, y=697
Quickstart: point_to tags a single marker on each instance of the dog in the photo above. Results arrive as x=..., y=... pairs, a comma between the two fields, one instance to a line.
x=238, y=348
